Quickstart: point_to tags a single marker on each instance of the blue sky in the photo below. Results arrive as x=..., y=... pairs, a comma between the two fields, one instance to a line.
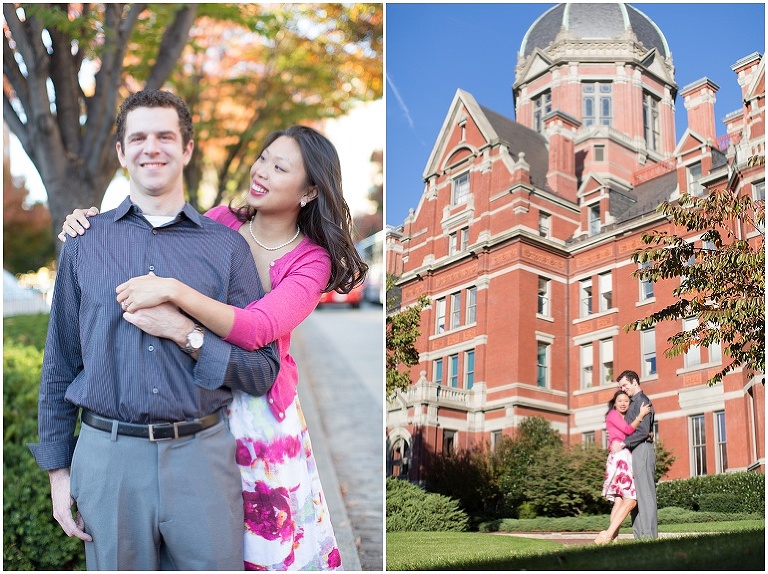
x=434, y=49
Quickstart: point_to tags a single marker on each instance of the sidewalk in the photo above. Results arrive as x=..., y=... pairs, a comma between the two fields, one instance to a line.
x=345, y=538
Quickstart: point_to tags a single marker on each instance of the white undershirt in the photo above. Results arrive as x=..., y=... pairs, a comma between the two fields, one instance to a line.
x=158, y=220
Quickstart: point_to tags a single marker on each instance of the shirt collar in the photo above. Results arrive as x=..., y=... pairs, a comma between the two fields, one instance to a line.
x=127, y=207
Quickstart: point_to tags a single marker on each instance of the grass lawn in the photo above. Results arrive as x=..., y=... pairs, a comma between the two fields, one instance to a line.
x=718, y=546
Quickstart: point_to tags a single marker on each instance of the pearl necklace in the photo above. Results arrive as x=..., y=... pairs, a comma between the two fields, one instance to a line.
x=260, y=244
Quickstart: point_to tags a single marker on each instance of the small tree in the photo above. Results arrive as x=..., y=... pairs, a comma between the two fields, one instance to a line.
x=402, y=332
x=722, y=286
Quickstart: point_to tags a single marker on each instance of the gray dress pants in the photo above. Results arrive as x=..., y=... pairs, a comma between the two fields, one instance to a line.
x=169, y=505
x=644, y=515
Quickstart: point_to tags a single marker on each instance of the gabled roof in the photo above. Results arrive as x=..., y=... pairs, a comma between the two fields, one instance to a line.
x=496, y=129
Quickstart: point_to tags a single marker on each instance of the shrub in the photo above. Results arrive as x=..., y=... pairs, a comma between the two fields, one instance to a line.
x=747, y=489
x=720, y=502
x=412, y=509
x=32, y=539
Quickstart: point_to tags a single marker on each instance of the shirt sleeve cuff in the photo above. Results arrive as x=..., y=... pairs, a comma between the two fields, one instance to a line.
x=50, y=456
x=212, y=362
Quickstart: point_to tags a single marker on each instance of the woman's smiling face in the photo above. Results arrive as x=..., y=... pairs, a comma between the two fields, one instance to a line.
x=622, y=403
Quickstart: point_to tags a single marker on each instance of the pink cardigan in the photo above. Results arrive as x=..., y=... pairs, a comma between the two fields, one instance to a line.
x=298, y=278
x=618, y=429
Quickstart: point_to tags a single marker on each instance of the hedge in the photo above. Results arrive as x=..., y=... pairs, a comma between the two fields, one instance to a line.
x=730, y=492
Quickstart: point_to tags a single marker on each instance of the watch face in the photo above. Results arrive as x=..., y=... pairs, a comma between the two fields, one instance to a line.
x=195, y=339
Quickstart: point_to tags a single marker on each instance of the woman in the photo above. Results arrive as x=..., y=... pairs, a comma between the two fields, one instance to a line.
x=619, y=484
x=297, y=224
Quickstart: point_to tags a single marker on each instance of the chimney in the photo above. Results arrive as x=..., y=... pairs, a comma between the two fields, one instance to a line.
x=561, y=176
x=699, y=99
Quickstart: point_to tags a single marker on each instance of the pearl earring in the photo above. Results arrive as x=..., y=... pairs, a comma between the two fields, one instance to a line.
x=303, y=202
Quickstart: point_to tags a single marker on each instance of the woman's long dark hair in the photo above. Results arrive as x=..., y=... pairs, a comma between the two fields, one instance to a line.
x=325, y=220
x=612, y=402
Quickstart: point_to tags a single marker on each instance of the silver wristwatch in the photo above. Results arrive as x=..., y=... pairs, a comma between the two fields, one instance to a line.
x=194, y=340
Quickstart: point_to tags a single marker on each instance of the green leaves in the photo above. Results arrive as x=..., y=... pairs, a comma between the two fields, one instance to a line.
x=717, y=250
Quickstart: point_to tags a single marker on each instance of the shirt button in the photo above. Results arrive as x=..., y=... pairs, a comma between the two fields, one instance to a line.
x=271, y=263
x=155, y=391
x=151, y=267
x=282, y=415
x=271, y=401
x=154, y=232
x=151, y=347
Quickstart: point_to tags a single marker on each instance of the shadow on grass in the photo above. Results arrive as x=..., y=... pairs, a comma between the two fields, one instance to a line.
x=743, y=550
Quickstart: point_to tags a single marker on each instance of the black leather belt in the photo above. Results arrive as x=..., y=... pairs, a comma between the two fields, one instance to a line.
x=153, y=432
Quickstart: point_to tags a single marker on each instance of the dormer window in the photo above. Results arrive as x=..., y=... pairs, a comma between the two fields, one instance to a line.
x=460, y=188
x=694, y=180
x=542, y=105
x=594, y=219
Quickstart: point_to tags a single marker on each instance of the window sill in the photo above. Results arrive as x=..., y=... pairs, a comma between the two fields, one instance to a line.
x=645, y=302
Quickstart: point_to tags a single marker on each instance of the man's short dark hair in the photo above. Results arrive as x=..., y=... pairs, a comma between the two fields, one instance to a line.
x=156, y=99
x=631, y=376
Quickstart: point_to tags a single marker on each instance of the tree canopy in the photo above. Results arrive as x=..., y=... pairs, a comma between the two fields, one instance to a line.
x=402, y=333
x=244, y=69
x=722, y=281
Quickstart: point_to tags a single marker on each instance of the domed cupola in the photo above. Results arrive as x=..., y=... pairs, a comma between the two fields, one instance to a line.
x=593, y=22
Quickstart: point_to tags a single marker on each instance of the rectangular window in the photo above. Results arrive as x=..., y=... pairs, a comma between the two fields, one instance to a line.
x=469, y=369
x=542, y=105
x=449, y=441
x=495, y=439
x=438, y=367
x=651, y=122
x=585, y=297
x=606, y=291
x=694, y=177
x=452, y=244
x=715, y=350
x=599, y=153
x=597, y=106
x=588, y=438
x=544, y=224
x=542, y=365
x=646, y=286
x=461, y=189
x=455, y=310
x=698, y=446
x=692, y=357
x=594, y=219
x=543, y=297
x=586, y=366
x=453, y=371
x=606, y=361
x=471, y=305
x=721, y=452
x=464, y=243
x=648, y=349
x=440, y=320
x=758, y=193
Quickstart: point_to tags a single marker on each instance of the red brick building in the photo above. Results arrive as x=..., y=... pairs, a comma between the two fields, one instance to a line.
x=522, y=240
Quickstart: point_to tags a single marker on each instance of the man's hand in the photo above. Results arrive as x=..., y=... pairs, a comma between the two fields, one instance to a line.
x=164, y=320
x=62, y=505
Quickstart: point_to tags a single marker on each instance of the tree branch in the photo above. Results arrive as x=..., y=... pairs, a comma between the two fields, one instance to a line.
x=174, y=39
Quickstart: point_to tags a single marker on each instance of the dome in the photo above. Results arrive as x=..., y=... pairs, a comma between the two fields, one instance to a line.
x=593, y=22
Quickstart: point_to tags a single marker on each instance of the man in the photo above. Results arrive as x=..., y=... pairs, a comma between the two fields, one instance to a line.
x=644, y=515
x=153, y=470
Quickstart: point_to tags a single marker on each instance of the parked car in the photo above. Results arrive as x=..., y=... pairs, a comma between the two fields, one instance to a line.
x=354, y=298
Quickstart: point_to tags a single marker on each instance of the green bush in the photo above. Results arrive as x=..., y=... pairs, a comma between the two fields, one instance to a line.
x=720, y=502
x=746, y=488
x=32, y=539
x=412, y=509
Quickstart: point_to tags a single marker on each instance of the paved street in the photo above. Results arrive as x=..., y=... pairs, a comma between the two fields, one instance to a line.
x=340, y=353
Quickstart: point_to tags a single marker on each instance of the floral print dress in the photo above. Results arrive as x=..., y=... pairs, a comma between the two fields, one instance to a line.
x=619, y=480
x=287, y=524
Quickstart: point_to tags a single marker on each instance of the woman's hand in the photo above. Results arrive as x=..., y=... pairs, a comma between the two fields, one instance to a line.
x=76, y=223
x=644, y=410
x=145, y=291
